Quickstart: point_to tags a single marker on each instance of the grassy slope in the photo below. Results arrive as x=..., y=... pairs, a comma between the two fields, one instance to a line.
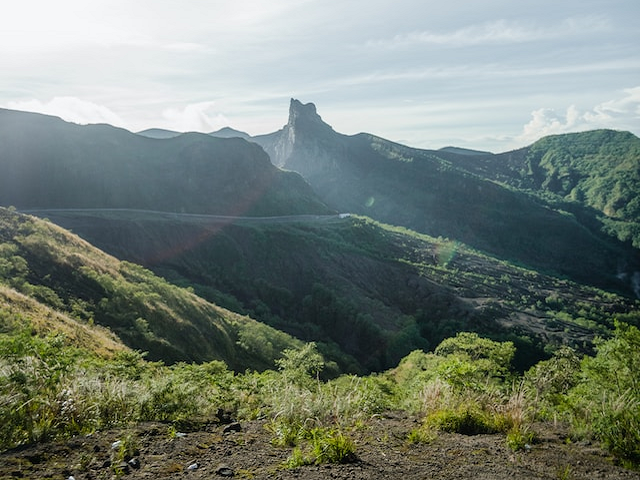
x=74, y=286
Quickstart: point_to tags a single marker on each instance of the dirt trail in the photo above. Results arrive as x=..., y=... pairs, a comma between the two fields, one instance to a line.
x=382, y=451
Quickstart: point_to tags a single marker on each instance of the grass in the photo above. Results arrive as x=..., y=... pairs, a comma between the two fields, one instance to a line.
x=50, y=390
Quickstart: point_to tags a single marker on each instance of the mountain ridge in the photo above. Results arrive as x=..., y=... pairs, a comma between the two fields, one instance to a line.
x=50, y=163
x=443, y=192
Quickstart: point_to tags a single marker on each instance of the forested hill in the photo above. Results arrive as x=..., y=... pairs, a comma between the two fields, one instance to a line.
x=48, y=163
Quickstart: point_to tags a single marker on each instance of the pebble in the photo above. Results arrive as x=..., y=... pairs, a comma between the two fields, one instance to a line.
x=224, y=470
x=232, y=427
x=193, y=466
x=115, y=445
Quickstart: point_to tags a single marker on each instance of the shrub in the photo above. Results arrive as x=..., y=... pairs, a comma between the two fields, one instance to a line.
x=607, y=398
x=465, y=419
x=332, y=446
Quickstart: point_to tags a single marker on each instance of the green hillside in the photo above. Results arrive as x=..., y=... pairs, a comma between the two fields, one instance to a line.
x=54, y=282
x=595, y=175
x=486, y=201
x=366, y=292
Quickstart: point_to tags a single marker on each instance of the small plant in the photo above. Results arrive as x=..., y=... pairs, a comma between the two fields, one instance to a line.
x=322, y=445
x=285, y=434
x=421, y=434
x=298, y=459
x=564, y=473
x=519, y=438
x=124, y=450
x=330, y=446
x=465, y=420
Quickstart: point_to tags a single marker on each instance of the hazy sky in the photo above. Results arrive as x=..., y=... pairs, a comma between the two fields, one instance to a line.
x=485, y=74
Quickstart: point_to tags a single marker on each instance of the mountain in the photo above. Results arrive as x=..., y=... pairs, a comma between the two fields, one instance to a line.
x=463, y=151
x=227, y=132
x=456, y=195
x=48, y=163
x=589, y=172
x=217, y=216
x=54, y=282
x=159, y=133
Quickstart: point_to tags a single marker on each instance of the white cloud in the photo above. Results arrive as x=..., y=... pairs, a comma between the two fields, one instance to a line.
x=498, y=31
x=621, y=113
x=186, y=47
x=71, y=109
x=195, y=117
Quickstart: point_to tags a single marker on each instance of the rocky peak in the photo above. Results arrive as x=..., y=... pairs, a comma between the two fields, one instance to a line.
x=304, y=115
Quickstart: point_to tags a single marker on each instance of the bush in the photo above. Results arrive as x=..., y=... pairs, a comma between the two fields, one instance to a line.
x=466, y=420
x=606, y=401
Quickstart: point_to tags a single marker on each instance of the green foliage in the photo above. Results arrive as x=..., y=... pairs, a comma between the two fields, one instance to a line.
x=319, y=445
x=73, y=279
x=465, y=419
x=422, y=434
x=498, y=354
x=607, y=397
x=332, y=446
x=300, y=366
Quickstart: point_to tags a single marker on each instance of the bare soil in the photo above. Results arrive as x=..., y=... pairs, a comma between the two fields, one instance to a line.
x=383, y=452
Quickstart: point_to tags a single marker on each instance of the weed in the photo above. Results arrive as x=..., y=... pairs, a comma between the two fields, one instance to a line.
x=330, y=446
x=421, y=434
x=298, y=459
x=564, y=473
x=519, y=438
x=467, y=420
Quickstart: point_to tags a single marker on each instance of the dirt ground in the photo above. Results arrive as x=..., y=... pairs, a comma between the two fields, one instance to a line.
x=209, y=452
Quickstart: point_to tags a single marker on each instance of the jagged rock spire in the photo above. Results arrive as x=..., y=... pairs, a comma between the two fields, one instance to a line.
x=304, y=114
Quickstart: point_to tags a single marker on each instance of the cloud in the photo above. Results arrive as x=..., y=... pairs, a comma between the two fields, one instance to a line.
x=195, y=117
x=498, y=32
x=186, y=47
x=71, y=109
x=622, y=113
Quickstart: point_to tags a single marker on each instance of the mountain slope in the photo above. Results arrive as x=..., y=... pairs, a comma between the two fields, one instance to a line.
x=435, y=192
x=368, y=293
x=597, y=171
x=48, y=163
x=66, y=285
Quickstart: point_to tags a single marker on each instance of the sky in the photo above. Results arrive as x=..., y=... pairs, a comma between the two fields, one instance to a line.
x=484, y=74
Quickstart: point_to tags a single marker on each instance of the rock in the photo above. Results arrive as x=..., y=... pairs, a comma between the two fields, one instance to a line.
x=224, y=470
x=232, y=427
x=193, y=466
x=224, y=417
x=123, y=467
x=115, y=445
x=134, y=463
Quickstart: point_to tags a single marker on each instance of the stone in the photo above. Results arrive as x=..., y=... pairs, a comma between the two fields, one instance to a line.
x=224, y=470
x=232, y=427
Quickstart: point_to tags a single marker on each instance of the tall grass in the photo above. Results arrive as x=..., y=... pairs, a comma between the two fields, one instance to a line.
x=50, y=390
